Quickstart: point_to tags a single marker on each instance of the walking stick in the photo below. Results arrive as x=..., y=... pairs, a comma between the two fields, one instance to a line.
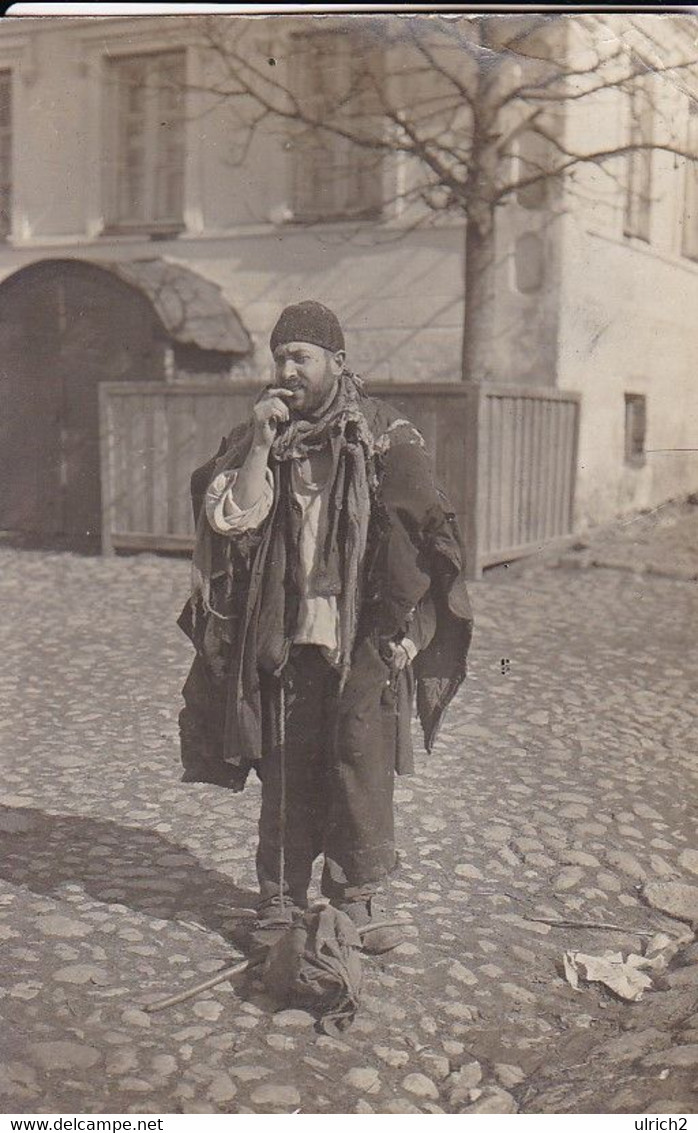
x=225, y=974
x=281, y=747
x=254, y=961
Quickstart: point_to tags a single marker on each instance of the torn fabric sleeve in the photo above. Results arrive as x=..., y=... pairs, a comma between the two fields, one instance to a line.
x=223, y=513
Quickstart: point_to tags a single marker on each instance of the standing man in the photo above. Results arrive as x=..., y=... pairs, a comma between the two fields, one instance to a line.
x=328, y=594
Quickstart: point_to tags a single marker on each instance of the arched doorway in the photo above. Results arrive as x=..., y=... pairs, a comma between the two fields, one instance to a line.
x=65, y=326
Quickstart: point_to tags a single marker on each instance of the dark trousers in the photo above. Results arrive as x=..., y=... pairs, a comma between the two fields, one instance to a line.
x=332, y=791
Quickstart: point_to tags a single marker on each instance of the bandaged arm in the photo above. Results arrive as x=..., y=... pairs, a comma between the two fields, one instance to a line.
x=225, y=515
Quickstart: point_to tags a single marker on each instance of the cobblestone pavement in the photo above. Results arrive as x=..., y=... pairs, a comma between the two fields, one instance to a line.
x=563, y=783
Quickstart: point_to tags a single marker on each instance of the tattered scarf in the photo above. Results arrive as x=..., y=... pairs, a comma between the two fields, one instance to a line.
x=342, y=545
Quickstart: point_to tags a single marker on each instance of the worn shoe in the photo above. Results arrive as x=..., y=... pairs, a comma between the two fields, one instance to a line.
x=272, y=921
x=379, y=932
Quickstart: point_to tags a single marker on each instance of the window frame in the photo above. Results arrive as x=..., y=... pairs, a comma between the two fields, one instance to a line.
x=112, y=165
x=7, y=74
x=18, y=56
x=531, y=153
x=303, y=203
x=637, y=208
x=689, y=224
x=635, y=413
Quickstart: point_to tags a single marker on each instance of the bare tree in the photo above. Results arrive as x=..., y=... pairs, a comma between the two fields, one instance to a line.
x=474, y=110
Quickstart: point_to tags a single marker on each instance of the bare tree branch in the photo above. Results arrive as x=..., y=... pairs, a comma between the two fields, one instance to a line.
x=456, y=97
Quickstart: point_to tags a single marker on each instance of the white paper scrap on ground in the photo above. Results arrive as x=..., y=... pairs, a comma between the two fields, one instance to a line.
x=624, y=977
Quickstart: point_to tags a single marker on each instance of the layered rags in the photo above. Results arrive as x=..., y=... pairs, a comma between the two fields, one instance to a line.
x=391, y=539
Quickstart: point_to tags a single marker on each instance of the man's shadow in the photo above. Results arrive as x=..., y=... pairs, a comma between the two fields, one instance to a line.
x=116, y=864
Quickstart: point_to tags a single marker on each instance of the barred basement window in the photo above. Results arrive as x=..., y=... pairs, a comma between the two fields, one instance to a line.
x=635, y=427
x=639, y=162
x=335, y=81
x=689, y=243
x=146, y=140
x=5, y=153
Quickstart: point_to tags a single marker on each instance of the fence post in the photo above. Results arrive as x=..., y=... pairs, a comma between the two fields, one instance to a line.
x=576, y=428
x=106, y=445
x=473, y=487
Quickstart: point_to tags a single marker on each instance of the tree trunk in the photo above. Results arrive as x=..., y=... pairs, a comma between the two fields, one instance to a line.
x=480, y=248
x=479, y=316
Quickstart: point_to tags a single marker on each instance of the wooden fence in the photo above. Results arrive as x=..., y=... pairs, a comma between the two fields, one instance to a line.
x=505, y=456
x=522, y=486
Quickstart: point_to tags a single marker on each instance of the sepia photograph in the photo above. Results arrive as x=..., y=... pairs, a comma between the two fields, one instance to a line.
x=348, y=562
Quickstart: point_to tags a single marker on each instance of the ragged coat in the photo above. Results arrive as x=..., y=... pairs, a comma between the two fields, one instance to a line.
x=414, y=549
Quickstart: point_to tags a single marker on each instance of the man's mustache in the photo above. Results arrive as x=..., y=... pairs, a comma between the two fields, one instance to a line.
x=292, y=387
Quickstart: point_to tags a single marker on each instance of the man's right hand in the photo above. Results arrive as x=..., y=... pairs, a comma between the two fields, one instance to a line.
x=269, y=411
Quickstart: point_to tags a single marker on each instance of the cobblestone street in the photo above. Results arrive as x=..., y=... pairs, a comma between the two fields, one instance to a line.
x=561, y=789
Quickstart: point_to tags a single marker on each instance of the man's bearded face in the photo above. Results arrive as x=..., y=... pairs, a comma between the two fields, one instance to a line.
x=310, y=372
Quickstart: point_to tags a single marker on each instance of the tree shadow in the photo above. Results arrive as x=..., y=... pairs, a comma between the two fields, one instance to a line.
x=115, y=864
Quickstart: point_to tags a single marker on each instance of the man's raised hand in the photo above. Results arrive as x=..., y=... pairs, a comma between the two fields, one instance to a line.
x=269, y=411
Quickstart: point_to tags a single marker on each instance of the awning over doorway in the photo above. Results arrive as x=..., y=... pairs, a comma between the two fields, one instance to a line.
x=192, y=309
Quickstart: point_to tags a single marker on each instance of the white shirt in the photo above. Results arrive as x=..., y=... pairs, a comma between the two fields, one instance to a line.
x=318, y=616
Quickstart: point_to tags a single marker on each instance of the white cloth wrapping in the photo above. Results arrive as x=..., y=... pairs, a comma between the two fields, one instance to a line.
x=223, y=513
x=318, y=617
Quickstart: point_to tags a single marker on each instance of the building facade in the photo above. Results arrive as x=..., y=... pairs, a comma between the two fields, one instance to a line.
x=116, y=151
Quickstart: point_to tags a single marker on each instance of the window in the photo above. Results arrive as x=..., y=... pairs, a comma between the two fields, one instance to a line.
x=639, y=162
x=635, y=428
x=689, y=245
x=529, y=262
x=335, y=80
x=146, y=162
x=534, y=159
x=5, y=153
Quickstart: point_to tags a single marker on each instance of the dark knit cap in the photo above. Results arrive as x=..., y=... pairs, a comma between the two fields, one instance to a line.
x=308, y=322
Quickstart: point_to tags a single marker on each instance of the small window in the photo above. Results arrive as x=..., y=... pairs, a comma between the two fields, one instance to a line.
x=335, y=80
x=5, y=153
x=529, y=263
x=635, y=428
x=689, y=236
x=534, y=160
x=146, y=159
x=638, y=192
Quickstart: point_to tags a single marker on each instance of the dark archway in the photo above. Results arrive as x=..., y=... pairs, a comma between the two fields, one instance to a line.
x=65, y=326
